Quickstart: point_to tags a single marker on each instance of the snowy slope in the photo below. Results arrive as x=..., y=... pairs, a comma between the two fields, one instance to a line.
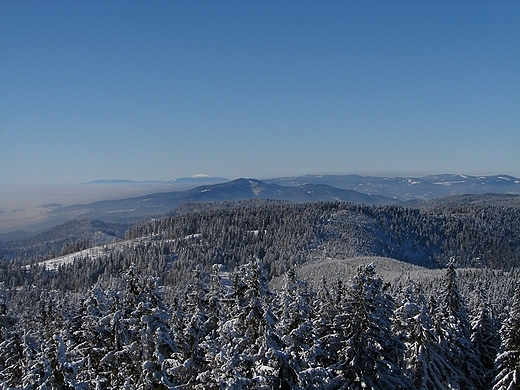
x=92, y=253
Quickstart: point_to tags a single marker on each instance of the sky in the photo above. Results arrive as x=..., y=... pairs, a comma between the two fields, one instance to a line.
x=157, y=90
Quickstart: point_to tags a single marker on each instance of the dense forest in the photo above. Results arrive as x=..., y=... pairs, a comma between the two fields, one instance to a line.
x=233, y=332
x=279, y=234
x=187, y=300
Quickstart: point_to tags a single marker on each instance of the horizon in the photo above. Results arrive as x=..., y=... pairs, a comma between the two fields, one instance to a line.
x=29, y=207
x=379, y=173
x=162, y=90
x=18, y=196
x=208, y=176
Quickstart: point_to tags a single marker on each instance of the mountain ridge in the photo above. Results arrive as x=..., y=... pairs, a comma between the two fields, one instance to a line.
x=309, y=188
x=128, y=209
x=413, y=188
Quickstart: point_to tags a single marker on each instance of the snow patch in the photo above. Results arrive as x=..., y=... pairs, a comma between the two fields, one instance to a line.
x=449, y=183
x=255, y=188
x=120, y=211
x=190, y=236
x=255, y=232
x=54, y=264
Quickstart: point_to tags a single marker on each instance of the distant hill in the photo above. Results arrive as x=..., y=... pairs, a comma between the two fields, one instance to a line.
x=131, y=209
x=412, y=188
x=160, y=198
x=484, y=234
x=67, y=237
x=83, y=228
x=16, y=235
x=506, y=200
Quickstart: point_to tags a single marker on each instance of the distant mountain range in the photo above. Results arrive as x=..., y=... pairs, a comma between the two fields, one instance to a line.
x=349, y=188
x=177, y=183
x=125, y=210
x=412, y=188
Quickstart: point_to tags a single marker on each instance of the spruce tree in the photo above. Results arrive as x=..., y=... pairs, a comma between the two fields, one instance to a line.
x=91, y=333
x=216, y=316
x=425, y=362
x=372, y=354
x=11, y=352
x=508, y=361
x=325, y=349
x=295, y=326
x=455, y=335
x=251, y=354
x=485, y=338
x=197, y=325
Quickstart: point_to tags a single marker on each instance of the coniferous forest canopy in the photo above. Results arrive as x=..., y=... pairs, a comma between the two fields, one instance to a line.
x=222, y=296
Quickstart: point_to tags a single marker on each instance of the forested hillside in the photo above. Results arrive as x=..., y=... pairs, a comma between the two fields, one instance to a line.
x=475, y=235
x=69, y=237
x=184, y=300
x=279, y=234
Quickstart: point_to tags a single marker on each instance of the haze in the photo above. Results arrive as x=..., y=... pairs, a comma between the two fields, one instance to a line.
x=159, y=90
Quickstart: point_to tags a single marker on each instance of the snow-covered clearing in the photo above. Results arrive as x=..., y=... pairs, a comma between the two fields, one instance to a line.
x=101, y=251
x=90, y=253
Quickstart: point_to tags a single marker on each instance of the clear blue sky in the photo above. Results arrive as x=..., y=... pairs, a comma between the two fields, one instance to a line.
x=163, y=89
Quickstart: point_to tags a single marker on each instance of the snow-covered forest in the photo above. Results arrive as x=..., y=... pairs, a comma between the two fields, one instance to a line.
x=238, y=334
x=251, y=295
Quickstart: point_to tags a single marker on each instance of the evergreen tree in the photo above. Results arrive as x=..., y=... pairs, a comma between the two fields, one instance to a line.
x=455, y=335
x=35, y=368
x=372, y=354
x=485, y=338
x=125, y=339
x=197, y=325
x=508, y=361
x=122, y=361
x=92, y=337
x=41, y=368
x=294, y=313
x=217, y=315
x=425, y=362
x=251, y=353
x=156, y=338
x=11, y=352
x=326, y=346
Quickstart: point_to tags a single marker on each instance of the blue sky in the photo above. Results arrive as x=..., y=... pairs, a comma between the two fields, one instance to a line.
x=164, y=89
